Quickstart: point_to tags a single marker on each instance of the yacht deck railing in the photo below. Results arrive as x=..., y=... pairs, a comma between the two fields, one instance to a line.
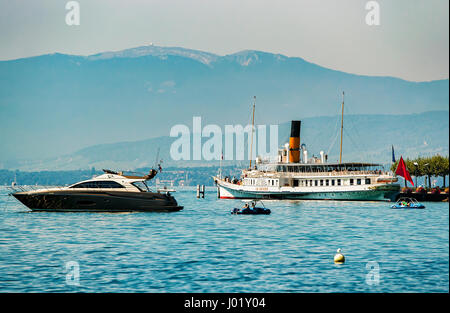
x=27, y=188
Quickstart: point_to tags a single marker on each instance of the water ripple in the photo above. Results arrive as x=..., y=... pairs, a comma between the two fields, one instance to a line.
x=205, y=249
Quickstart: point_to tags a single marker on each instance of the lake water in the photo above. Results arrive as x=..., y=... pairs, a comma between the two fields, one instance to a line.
x=206, y=249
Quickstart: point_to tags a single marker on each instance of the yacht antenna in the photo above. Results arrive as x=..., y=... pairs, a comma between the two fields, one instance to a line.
x=253, y=126
x=342, y=127
x=157, y=157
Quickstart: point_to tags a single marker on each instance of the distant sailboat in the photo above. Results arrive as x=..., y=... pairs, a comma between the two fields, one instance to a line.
x=14, y=183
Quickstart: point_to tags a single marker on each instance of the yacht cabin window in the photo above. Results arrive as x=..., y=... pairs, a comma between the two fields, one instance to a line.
x=98, y=184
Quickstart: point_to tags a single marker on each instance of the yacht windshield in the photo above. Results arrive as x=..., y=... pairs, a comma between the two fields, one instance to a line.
x=141, y=185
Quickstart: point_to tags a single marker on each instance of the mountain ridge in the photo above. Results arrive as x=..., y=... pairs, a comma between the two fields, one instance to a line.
x=209, y=57
x=57, y=104
x=318, y=133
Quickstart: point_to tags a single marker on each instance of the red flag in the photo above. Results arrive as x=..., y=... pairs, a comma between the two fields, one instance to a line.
x=402, y=171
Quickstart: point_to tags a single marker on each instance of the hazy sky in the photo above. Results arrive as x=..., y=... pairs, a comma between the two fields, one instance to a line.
x=411, y=41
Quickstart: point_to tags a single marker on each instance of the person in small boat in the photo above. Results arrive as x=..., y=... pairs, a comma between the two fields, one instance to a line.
x=253, y=205
x=245, y=206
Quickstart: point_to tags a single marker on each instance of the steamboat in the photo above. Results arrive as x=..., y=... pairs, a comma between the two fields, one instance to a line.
x=294, y=176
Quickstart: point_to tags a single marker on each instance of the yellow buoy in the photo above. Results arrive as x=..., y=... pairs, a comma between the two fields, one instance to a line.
x=339, y=258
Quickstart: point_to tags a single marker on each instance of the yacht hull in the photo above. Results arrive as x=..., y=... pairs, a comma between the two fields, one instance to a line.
x=91, y=201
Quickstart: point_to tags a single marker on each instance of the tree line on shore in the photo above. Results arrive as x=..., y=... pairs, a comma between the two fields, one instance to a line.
x=437, y=166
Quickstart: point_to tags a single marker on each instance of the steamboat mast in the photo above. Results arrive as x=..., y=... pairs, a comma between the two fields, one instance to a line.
x=253, y=127
x=342, y=127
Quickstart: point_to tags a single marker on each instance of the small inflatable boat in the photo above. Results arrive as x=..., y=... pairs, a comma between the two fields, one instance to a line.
x=251, y=209
x=407, y=203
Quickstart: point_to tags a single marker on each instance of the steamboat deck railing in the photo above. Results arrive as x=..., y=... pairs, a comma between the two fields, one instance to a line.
x=329, y=174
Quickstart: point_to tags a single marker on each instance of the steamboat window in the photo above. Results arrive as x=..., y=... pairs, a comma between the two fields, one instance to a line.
x=316, y=182
x=358, y=181
x=338, y=182
x=295, y=183
x=321, y=182
x=332, y=182
x=367, y=181
x=351, y=181
x=327, y=182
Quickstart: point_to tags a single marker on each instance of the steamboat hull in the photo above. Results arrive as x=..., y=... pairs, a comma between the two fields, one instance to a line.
x=379, y=193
